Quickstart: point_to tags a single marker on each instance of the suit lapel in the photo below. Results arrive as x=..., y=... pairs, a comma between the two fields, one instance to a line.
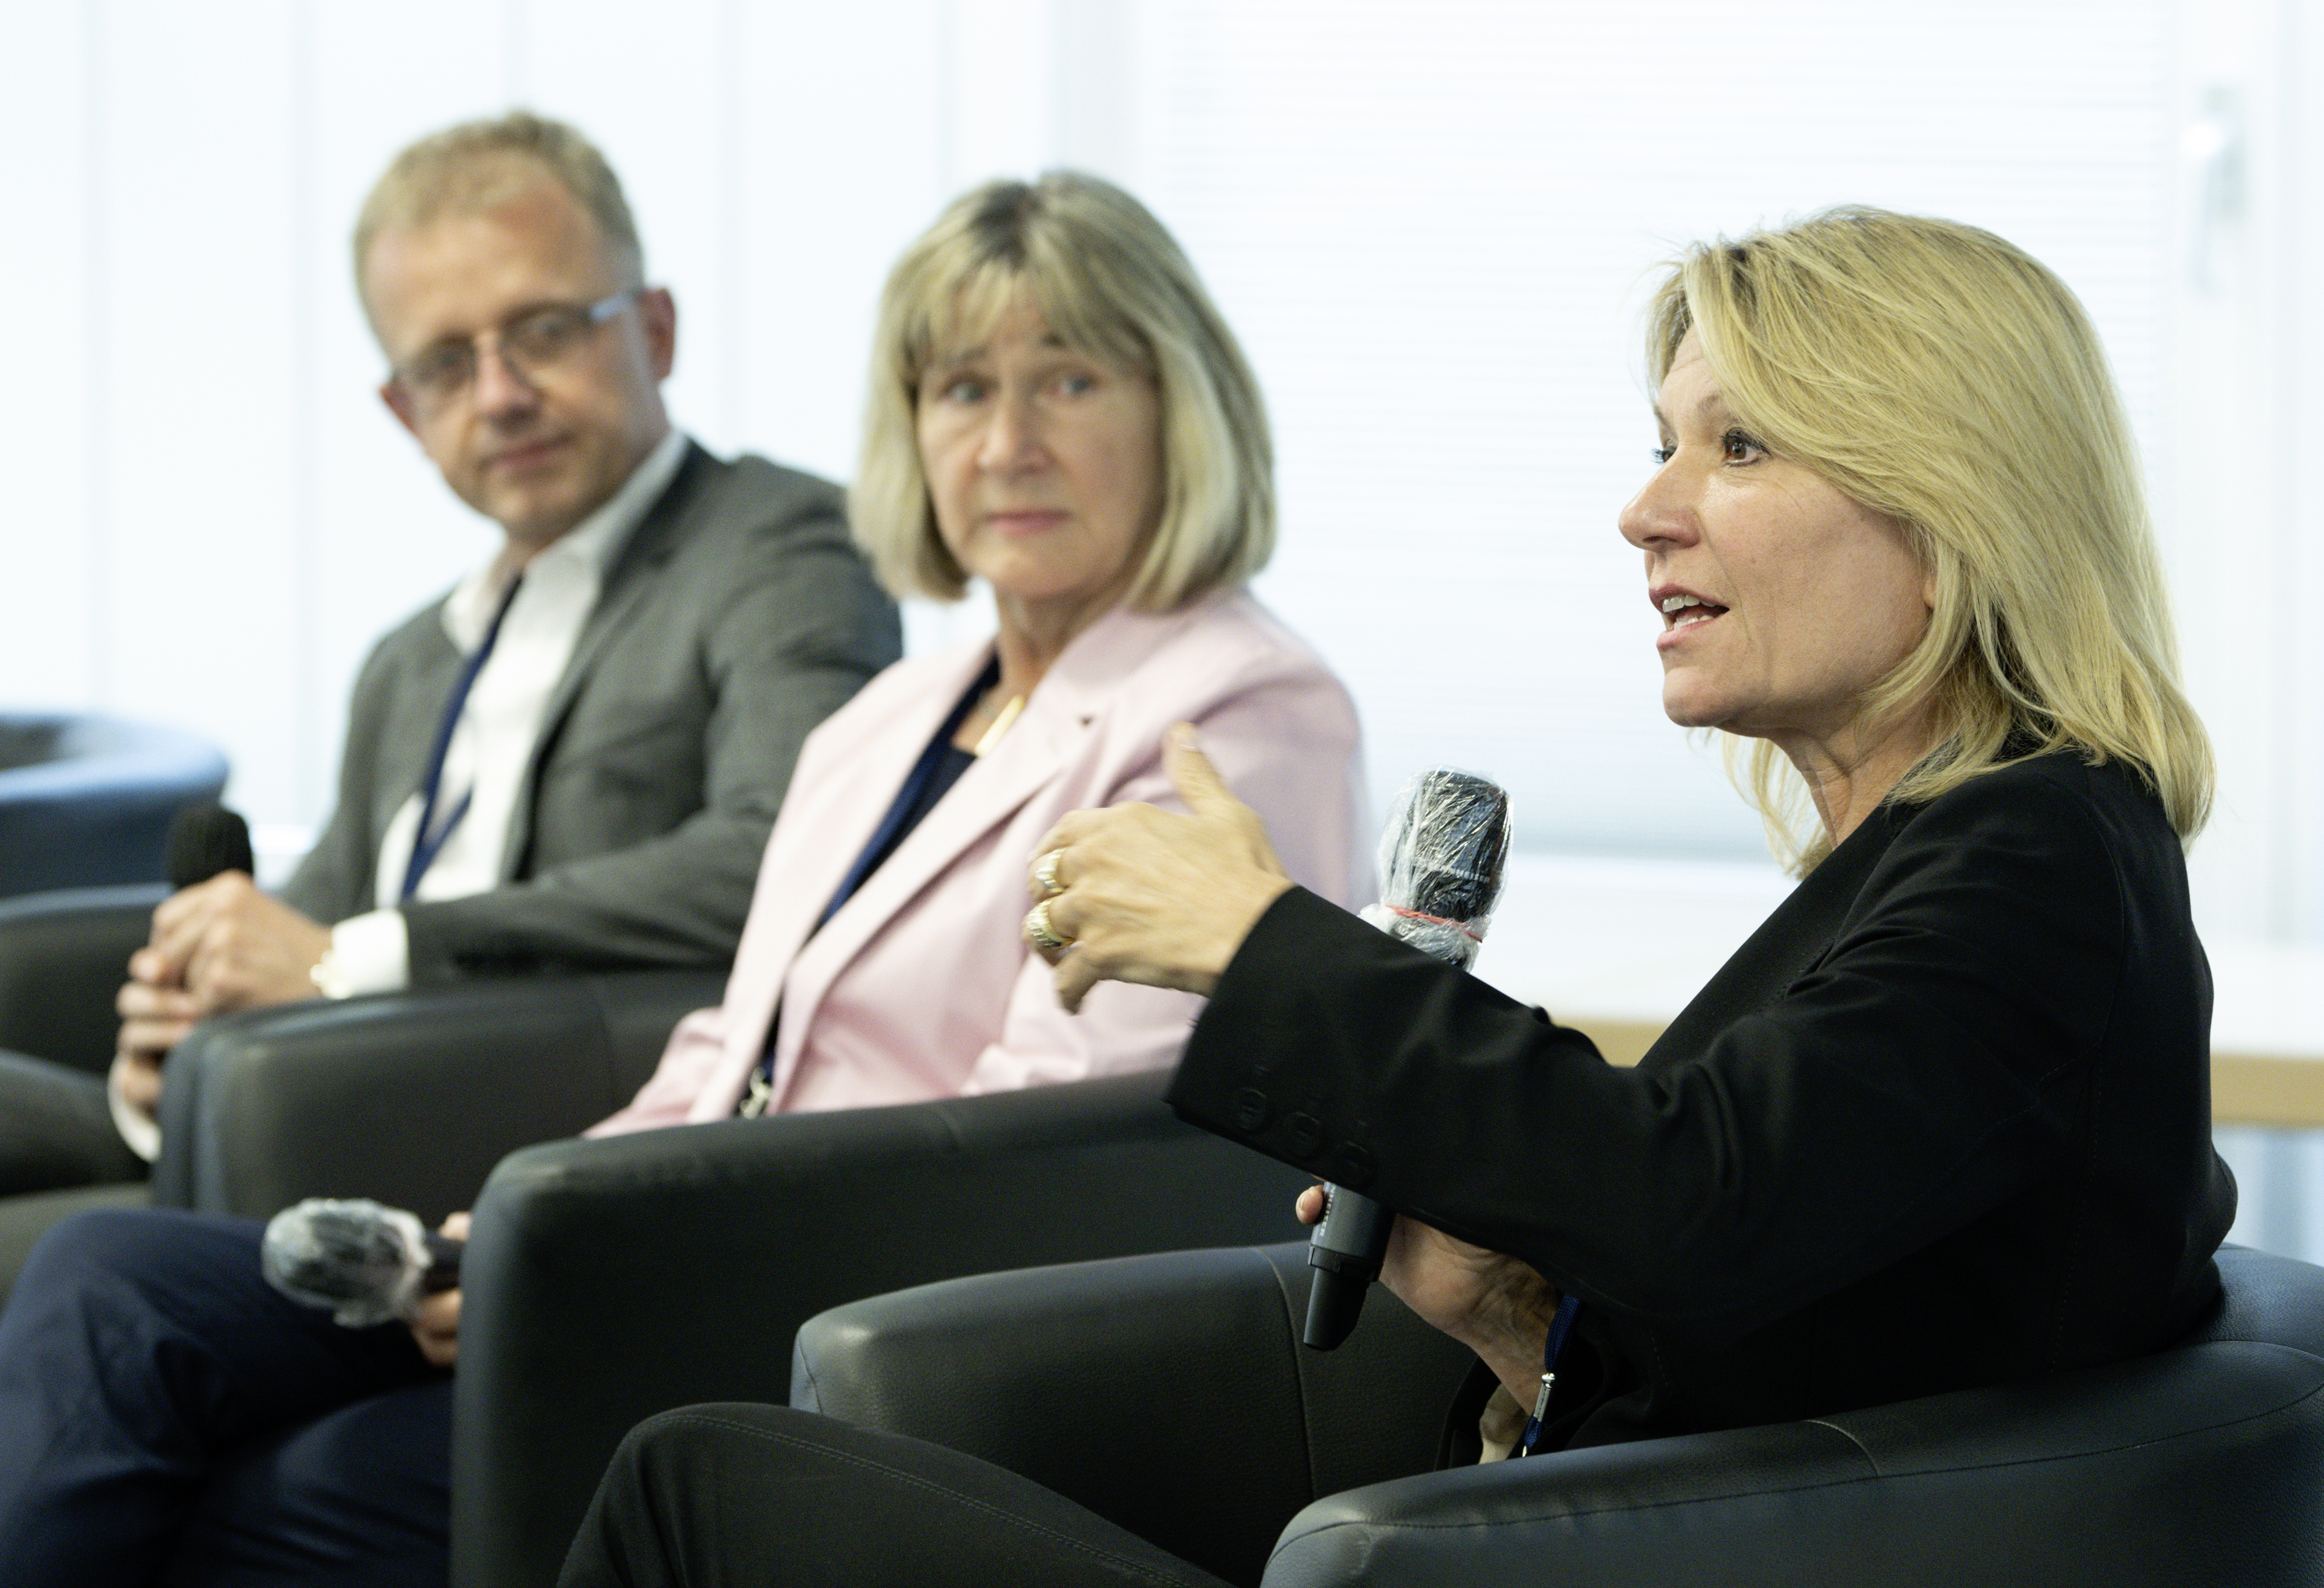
x=1031, y=755
x=841, y=809
x=415, y=714
x=1058, y=719
x=994, y=788
x=629, y=579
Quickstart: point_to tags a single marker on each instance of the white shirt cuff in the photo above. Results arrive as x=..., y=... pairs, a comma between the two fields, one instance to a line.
x=136, y=1127
x=369, y=953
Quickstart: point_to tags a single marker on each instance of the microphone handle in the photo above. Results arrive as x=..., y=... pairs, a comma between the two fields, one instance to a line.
x=443, y=1271
x=1344, y=1253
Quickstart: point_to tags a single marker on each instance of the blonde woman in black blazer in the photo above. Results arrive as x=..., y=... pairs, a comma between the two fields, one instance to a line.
x=1943, y=1121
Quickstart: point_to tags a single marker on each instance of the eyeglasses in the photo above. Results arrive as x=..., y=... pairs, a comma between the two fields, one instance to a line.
x=531, y=344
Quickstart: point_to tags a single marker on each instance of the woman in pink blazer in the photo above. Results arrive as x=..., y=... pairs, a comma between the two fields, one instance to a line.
x=1057, y=410
x=921, y=985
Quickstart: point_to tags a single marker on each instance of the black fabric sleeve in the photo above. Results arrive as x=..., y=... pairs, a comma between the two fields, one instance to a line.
x=1917, y=1074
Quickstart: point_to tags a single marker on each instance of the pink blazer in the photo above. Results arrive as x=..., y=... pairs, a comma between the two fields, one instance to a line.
x=921, y=986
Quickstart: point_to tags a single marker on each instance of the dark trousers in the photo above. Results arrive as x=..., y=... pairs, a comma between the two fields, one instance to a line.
x=762, y=1495
x=165, y=1417
x=56, y=1129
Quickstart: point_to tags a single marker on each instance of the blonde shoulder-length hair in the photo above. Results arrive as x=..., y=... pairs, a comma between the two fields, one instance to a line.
x=1109, y=281
x=1937, y=374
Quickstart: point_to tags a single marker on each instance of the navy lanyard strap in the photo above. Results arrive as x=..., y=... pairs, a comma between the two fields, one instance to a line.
x=428, y=840
x=1567, y=1305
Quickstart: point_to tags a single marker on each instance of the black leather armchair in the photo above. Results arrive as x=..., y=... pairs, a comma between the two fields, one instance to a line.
x=610, y=1279
x=408, y=1097
x=411, y=1097
x=62, y=957
x=2200, y=1464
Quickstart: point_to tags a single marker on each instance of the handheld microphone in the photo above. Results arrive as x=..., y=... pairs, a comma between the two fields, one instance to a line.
x=1442, y=855
x=363, y=1262
x=205, y=839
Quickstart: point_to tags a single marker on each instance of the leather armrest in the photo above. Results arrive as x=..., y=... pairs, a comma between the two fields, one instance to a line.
x=1107, y=1380
x=409, y=1098
x=63, y=956
x=1168, y=1393
x=610, y=1279
x=2195, y=1465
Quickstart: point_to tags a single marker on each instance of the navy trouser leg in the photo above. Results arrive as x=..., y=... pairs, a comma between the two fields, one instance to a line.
x=140, y=1351
x=360, y=1498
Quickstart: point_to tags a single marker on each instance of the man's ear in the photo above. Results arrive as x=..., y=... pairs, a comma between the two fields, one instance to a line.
x=658, y=315
x=400, y=405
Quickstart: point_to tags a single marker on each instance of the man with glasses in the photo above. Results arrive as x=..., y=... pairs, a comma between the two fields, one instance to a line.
x=573, y=760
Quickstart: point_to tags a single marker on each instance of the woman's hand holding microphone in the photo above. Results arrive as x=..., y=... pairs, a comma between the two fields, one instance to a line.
x=1136, y=894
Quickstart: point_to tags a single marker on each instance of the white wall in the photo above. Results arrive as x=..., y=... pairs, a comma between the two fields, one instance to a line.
x=1430, y=222
x=213, y=516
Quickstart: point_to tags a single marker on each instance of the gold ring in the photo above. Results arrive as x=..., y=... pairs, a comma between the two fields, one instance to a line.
x=1038, y=928
x=1045, y=872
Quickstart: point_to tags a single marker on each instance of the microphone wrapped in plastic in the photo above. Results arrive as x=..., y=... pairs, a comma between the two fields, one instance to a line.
x=364, y=1262
x=1443, y=858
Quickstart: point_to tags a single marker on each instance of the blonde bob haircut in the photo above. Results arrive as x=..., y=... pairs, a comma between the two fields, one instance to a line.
x=1112, y=284
x=1936, y=374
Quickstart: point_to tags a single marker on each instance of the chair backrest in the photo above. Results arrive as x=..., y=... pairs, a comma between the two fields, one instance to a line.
x=2201, y=1463
x=2268, y=1301
x=608, y=1279
x=86, y=800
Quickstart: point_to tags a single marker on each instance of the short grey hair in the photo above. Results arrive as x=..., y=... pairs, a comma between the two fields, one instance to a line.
x=476, y=164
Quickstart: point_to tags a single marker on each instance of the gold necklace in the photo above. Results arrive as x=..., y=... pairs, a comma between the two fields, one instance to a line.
x=1001, y=725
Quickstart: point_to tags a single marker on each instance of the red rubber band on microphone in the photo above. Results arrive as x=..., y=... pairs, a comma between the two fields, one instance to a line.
x=1460, y=927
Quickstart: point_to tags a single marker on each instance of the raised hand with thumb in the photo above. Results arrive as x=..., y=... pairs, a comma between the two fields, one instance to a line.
x=1134, y=893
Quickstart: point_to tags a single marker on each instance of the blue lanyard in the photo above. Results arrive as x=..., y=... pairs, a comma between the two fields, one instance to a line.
x=429, y=839
x=1567, y=1305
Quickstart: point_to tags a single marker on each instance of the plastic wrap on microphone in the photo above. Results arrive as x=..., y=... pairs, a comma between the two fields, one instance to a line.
x=1444, y=854
x=364, y=1262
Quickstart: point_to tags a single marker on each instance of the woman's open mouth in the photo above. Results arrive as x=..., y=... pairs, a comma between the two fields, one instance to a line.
x=1684, y=611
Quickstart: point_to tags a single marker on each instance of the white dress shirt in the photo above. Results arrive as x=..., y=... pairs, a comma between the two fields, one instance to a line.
x=500, y=724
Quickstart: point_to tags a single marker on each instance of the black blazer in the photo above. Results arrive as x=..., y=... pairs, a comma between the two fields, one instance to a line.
x=1943, y=1121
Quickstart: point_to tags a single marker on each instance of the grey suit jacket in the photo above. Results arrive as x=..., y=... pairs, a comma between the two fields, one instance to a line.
x=736, y=617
